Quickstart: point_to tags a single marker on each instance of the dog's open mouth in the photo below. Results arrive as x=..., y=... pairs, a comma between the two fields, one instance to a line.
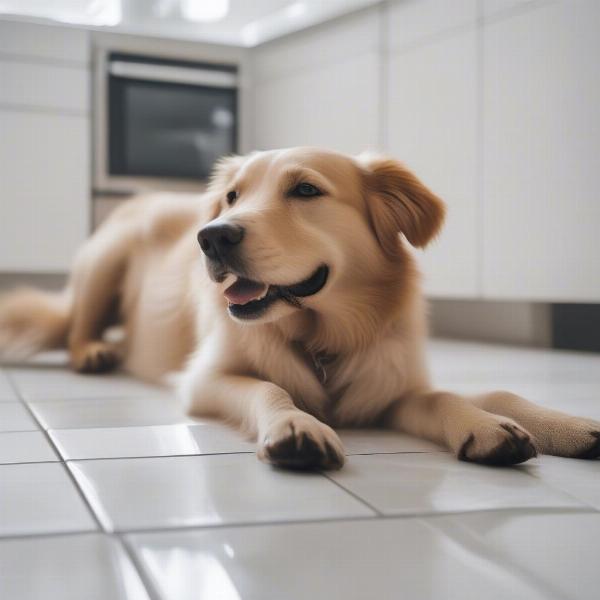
x=250, y=299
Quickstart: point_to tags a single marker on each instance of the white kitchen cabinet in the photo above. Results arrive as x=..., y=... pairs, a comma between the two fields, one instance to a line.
x=411, y=22
x=320, y=87
x=502, y=7
x=334, y=106
x=45, y=43
x=541, y=172
x=432, y=127
x=60, y=87
x=45, y=189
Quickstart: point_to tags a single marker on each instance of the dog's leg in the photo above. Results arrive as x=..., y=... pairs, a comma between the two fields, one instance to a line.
x=553, y=432
x=95, y=283
x=472, y=433
x=287, y=436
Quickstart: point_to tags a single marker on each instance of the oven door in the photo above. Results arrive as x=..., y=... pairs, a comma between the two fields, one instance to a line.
x=166, y=122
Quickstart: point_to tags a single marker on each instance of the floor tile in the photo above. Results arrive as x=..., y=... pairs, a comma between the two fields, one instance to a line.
x=7, y=393
x=159, y=440
x=578, y=478
x=25, y=446
x=109, y=412
x=15, y=417
x=383, y=559
x=40, y=498
x=57, y=383
x=487, y=363
x=378, y=441
x=557, y=553
x=90, y=566
x=437, y=482
x=205, y=490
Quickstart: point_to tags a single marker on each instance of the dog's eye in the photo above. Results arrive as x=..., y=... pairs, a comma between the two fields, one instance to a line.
x=305, y=190
x=231, y=197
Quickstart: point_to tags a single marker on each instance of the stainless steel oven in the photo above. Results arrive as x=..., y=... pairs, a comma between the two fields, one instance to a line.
x=161, y=122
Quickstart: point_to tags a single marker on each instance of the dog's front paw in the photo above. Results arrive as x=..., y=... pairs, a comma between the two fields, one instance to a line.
x=498, y=443
x=300, y=441
x=95, y=357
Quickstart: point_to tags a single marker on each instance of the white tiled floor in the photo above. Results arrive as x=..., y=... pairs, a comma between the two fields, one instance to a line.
x=108, y=491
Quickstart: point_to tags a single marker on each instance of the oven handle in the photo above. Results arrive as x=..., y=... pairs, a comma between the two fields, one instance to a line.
x=171, y=74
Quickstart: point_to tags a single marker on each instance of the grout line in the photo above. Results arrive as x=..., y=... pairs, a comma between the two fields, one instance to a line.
x=355, y=496
x=157, y=456
x=137, y=565
x=92, y=458
x=20, y=430
x=30, y=462
x=58, y=454
x=49, y=534
x=530, y=511
x=382, y=516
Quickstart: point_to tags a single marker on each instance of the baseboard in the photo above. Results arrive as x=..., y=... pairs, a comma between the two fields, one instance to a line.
x=520, y=323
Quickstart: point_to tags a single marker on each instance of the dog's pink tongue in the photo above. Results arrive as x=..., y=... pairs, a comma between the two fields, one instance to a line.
x=244, y=290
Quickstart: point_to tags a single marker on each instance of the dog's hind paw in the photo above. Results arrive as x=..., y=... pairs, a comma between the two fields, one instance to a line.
x=95, y=357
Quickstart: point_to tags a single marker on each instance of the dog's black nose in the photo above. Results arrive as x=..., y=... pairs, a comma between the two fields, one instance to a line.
x=218, y=240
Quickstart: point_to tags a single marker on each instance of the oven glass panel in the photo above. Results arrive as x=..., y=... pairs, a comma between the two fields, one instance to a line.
x=165, y=129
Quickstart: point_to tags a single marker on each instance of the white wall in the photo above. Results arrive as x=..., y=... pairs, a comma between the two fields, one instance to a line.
x=495, y=104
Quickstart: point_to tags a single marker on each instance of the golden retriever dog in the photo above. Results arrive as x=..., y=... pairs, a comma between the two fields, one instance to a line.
x=288, y=300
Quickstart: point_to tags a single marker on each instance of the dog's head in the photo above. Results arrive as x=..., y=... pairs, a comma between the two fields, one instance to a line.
x=294, y=228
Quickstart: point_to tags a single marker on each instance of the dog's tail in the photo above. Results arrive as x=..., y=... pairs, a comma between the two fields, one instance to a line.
x=32, y=320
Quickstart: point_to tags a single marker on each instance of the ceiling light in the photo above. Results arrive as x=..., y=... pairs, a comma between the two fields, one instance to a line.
x=204, y=11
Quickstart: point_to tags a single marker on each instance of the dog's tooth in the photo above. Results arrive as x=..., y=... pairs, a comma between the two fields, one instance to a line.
x=229, y=280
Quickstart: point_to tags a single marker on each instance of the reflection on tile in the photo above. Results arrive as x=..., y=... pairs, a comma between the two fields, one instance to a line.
x=159, y=440
x=7, y=394
x=109, y=412
x=387, y=560
x=438, y=482
x=55, y=383
x=379, y=441
x=204, y=490
x=15, y=417
x=555, y=552
x=40, y=498
x=90, y=566
x=578, y=478
x=25, y=446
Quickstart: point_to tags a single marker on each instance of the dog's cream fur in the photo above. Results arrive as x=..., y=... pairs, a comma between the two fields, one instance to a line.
x=143, y=268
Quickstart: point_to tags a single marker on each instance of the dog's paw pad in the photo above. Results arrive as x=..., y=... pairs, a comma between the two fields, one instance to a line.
x=508, y=445
x=302, y=447
x=97, y=357
x=593, y=451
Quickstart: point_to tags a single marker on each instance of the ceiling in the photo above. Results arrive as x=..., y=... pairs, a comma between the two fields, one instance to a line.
x=236, y=22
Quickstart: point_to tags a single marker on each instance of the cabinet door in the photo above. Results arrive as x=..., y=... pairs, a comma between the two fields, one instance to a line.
x=432, y=127
x=542, y=154
x=45, y=194
x=333, y=106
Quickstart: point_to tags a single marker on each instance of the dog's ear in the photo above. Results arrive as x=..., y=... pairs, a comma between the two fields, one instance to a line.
x=399, y=203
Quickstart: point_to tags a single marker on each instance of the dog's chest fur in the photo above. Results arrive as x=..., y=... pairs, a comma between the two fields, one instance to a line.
x=360, y=386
